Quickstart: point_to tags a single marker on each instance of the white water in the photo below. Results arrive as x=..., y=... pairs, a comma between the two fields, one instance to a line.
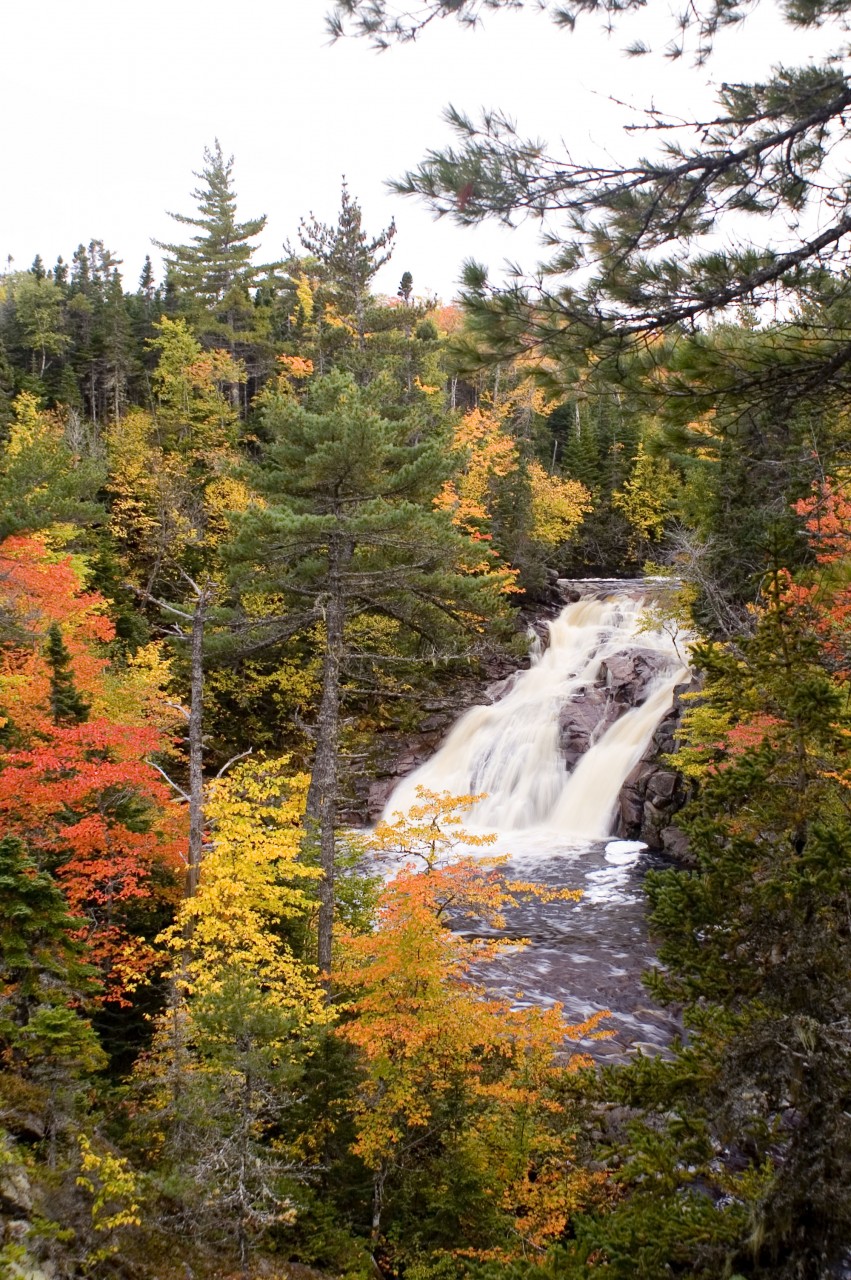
x=510, y=750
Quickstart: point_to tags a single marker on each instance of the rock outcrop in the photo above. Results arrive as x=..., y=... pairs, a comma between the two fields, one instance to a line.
x=654, y=792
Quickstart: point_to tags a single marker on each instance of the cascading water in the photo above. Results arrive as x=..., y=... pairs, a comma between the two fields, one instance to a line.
x=510, y=751
x=552, y=755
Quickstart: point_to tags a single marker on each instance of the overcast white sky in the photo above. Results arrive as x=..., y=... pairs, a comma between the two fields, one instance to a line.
x=108, y=107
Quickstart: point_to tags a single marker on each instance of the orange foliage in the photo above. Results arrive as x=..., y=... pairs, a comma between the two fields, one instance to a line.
x=83, y=797
x=828, y=520
x=828, y=602
x=426, y=1031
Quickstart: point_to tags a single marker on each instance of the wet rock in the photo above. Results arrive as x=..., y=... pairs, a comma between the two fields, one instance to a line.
x=661, y=786
x=628, y=675
x=582, y=720
x=501, y=688
x=654, y=792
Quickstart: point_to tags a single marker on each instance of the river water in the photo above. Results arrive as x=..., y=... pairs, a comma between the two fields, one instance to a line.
x=555, y=826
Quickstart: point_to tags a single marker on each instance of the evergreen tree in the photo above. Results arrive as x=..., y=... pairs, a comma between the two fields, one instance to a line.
x=629, y=260
x=739, y=1159
x=348, y=530
x=350, y=261
x=66, y=704
x=43, y=976
x=215, y=273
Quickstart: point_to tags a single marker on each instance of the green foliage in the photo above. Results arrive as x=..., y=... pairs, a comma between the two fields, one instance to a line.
x=42, y=479
x=214, y=274
x=66, y=704
x=738, y=1155
x=43, y=977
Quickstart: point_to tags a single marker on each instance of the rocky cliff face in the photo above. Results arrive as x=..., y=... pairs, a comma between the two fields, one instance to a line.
x=654, y=793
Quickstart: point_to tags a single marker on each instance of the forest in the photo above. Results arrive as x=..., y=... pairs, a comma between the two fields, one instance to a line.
x=260, y=522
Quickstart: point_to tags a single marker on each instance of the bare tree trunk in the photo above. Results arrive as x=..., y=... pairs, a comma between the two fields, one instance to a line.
x=195, y=738
x=379, y=1177
x=322, y=796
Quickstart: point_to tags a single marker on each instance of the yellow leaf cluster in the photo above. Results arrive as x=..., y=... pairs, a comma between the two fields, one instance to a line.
x=558, y=506
x=646, y=498
x=252, y=882
x=113, y=1184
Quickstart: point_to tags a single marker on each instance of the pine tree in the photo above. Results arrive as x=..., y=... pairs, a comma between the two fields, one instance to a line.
x=348, y=530
x=66, y=704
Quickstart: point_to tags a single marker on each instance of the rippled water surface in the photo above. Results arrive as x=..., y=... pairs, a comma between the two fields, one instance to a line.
x=588, y=955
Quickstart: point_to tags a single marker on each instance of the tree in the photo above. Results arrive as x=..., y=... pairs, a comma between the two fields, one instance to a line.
x=39, y=317
x=215, y=273
x=44, y=975
x=66, y=704
x=739, y=1160
x=228, y=1052
x=452, y=1077
x=631, y=265
x=75, y=781
x=347, y=530
x=172, y=486
x=501, y=494
x=349, y=260
x=43, y=480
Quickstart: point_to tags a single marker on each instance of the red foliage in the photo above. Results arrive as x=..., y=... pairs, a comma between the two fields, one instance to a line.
x=83, y=797
x=828, y=603
x=828, y=522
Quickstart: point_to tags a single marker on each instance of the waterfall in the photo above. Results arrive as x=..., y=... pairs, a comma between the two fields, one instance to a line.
x=605, y=674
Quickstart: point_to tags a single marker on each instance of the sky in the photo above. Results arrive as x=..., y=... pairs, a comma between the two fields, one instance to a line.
x=108, y=108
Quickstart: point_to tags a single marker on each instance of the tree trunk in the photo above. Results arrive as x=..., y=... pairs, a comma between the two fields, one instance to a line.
x=196, y=741
x=322, y=796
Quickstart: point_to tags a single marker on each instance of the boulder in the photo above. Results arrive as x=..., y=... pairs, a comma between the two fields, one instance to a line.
x=627, y=676
x=16, y=1196
x=582, y=720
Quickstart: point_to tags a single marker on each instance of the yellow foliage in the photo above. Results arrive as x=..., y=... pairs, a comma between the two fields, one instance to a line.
x=30, y=426
x=646, y=498
x=487, y=437
x=136, y=693
x=304, y=295
x=115, y=1188
x=251, y=882
x=558, y=506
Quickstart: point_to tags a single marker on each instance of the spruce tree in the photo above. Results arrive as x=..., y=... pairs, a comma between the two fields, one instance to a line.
x=43, y=976
x=215, y=273
x=350, y=261
x=66, y=704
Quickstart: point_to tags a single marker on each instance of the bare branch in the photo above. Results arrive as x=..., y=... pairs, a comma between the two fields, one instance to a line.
x=169, y=780
x=240, y=756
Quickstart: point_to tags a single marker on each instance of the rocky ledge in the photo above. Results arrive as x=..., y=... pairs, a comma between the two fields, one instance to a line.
x=654, y=792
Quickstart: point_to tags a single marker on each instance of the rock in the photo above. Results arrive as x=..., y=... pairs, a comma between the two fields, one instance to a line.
x=15, y=1190
x=582, y=720
x=627, y=675
x=661, y=786
x=654, y=792
x=675, y=843
x=501, y=688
